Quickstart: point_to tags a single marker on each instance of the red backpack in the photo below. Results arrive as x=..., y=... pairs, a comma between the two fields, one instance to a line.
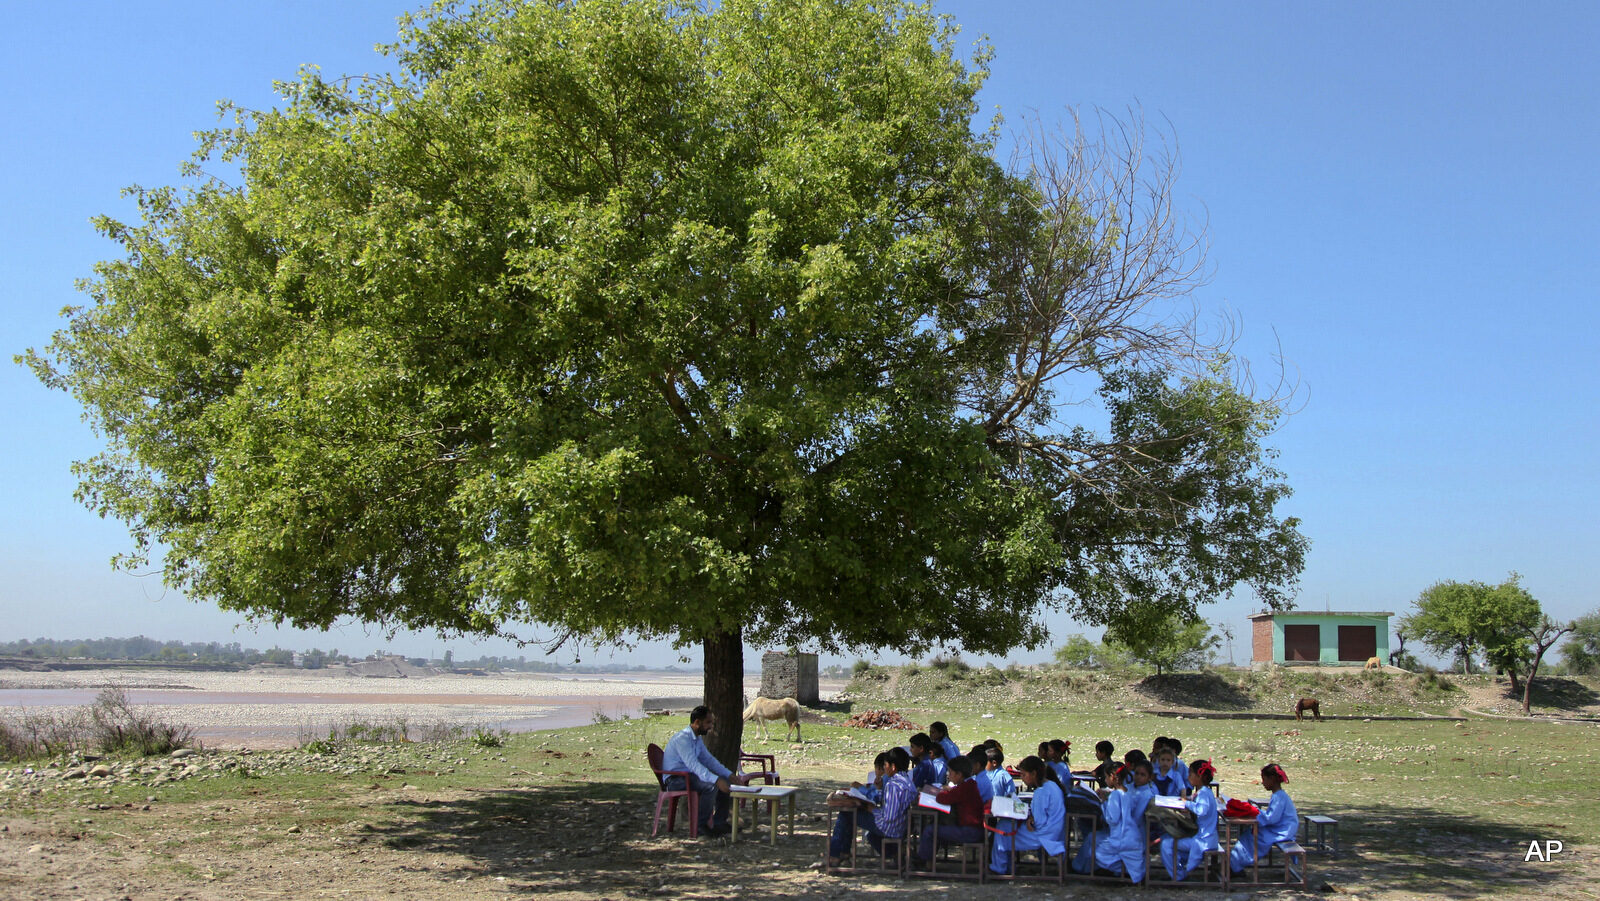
x=1238, y=809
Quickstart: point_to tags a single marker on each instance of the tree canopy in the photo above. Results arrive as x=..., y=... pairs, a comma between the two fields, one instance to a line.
x=643, y=319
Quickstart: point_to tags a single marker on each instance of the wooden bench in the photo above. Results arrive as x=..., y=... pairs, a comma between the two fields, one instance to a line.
x=1294, y=862
x=922, y=819
x=1321, y=842
x=1004, y=826
x=881, y=862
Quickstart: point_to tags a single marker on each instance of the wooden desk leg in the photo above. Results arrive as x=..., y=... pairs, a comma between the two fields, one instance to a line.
x=772, y=816
x=736, y=805
x=791, y=814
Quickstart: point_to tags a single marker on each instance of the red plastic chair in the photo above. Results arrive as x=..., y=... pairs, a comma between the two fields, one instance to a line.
x=670, y=798
x=768, y=773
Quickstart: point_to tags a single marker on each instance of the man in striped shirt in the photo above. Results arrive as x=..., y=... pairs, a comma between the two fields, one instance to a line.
x=888, y=819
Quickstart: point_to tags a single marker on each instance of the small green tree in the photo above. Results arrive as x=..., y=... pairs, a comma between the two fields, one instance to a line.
x=1081, y=653
x=1581, y=653
x=1444, y=620
x=1165, y=641
x=1077, y=652
x=1507, y=617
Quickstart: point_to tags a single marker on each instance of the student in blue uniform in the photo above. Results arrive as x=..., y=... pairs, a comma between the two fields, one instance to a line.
x=1280, y=822
x=924, y=769
x=1121, y=848
x=1177, y=760
x=940, y=733
x=1169, y=779
x=873, y=787
x=1180, y=855
x=1084, y=861
x=1004, y=787
x=979, y=759
x=1061, y=760
x=1130, y=761
x=1046, y=825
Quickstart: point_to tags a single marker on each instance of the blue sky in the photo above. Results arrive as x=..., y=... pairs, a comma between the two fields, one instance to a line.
x=1401, y=197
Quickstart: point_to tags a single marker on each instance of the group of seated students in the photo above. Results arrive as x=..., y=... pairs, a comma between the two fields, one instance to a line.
x=1104, y=806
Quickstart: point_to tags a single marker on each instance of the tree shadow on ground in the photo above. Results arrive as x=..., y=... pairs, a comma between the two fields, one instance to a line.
x=1561, y=694
x=593, y=840
x=1205, y=691
x=1430, y=853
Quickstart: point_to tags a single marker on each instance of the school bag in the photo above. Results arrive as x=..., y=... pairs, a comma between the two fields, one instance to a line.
x=1179, y=822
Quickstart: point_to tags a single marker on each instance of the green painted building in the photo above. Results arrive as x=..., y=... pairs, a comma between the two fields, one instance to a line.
x=1335, y=638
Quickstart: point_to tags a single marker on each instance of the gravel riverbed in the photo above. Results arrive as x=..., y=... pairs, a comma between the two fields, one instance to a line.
x=275, y=708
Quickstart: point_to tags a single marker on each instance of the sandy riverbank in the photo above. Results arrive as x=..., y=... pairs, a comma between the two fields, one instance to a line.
x=279, y=707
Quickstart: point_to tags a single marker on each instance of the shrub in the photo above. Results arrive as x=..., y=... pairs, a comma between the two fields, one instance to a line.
x=1428, y=682
x=988, y=676
x=861, y=668
x=110, y=725
x=484, y=737
x=116, y=727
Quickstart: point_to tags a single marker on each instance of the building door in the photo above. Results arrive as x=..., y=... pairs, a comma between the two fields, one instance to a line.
x=1358, y=643
x=1302, y=643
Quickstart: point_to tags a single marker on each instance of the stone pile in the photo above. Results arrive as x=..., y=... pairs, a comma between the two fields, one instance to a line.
x=881, y=719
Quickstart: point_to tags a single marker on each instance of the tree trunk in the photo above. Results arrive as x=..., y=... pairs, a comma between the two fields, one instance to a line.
x=724, y=685
x=1527, y=688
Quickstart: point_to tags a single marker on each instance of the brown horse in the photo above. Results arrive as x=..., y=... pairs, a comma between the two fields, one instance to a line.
x=1310, y=704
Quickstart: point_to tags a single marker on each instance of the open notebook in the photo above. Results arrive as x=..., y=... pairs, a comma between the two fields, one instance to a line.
x=1009, y=808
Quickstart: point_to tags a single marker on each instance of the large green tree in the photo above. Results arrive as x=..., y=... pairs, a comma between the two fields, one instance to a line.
x=646, y=319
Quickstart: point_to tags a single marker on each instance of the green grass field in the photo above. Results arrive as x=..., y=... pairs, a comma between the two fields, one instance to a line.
x=1427, y=809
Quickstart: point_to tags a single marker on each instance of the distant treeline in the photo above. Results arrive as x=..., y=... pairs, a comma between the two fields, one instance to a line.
x=142, y=648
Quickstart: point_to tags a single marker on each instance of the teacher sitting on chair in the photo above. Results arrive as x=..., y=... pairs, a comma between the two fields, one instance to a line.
x=709, y=778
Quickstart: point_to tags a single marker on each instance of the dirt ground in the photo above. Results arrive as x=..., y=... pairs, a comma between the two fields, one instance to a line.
x=560, y=844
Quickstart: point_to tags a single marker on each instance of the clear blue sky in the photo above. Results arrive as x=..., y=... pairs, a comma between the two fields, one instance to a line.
x=1403, y=197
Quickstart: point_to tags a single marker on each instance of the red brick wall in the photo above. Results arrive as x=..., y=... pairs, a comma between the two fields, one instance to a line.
x=1261, y=640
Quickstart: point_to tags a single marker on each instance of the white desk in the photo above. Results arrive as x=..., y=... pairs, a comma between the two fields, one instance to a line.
x=771, y=794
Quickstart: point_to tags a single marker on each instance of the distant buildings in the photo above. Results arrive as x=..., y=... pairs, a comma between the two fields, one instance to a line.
x=1338, y=638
